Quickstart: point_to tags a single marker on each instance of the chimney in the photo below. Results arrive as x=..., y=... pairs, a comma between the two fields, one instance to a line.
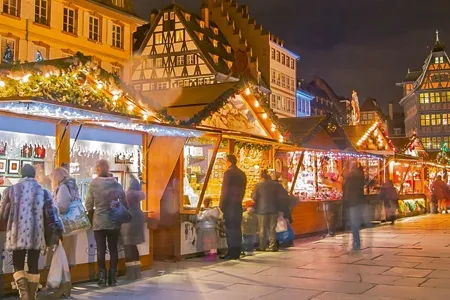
x=391, y=110
x=153, y=16
x=205, y=14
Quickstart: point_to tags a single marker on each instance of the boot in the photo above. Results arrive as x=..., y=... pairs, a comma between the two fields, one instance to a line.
x=112, y=277
x=137, y=270
x=64, y=290
x=21, y=281
x=130, y=274
x=102, y=278
x=33, y=285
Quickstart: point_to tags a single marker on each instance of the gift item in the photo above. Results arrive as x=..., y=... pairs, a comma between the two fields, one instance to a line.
x=59, y=269
x=75, y=219
x=118, y=213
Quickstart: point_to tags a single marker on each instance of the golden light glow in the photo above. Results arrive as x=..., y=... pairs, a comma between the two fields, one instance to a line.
x=264, y=116
x=115, y=97
x=130, y=107
x=247, y=91
x=99, y=85
x=47, y=75
x=256, y=103
x=2, y=84
x=26, y=78
x=281, y=139
x=145, y=116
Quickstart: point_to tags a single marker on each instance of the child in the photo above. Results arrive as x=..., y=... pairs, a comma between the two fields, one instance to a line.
x=207, y=234
x=249, y=227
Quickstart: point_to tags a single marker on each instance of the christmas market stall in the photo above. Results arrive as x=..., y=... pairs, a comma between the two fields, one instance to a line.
x=248, y=129
x=71, y=111
x=409, y=174
x=314, y=173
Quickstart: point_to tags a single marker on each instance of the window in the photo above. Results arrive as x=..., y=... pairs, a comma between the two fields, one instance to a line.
x=180, y=60
x=292, y=84
x=215, y=59
x=273, y=103
x=149, y=63
x=279, y=102
x=425, y=120
x=41, y=53
x=11, y=7
x=179, y=35
x=216, y=31
x=439, y=60
x=172, y=15
x=435, y=97
x=187, y=17
x=436, y=143
x=292, y=64
x=201, y=81
x=158, y=38
x=288, y=83
x=94, y=28
x=116, y=70
x=166, y=16
x=8, y=50
x=273, y=79
x=435, y=119
x=41, y=12
x=117, y=36
x=445, y=119
x=118, y=3
x=445, y=96
x=288, y=61
x=426, y=142
x=202, y=24
x=278, y=56
x=228, y=49
x=283, y=59
x=424, y=98
x=278, y=78
x=272, y=53
x=159, y=63
x=69, y=20
x=215, y=43
x=190, y=59
x=283, y=81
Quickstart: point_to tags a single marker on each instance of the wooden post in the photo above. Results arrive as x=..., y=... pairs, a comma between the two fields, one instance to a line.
x=231, y=144
x=62, y=144
x=300, y=162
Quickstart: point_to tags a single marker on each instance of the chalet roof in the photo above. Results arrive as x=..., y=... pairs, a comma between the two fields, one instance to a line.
x=406, y=144
x=192, y=25
x=400, y=143
x=355, y=133
x=313, y=132
x=128, y=6
x=372, y=105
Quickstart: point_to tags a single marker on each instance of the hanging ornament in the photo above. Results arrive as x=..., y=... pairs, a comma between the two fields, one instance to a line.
x=8, y=55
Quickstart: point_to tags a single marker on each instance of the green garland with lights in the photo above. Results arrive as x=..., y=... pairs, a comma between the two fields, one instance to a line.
x=251, y=146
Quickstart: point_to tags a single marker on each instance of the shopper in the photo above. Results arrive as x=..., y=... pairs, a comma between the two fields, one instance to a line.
x=65, y=190
x=249, y=227
x=266, y=196
x=389, y=195
x=439, y=190
x=133, y=232
x=22, y=207
x=102, y=191
x=354, y=201
x=233, y=191
x=207, y=234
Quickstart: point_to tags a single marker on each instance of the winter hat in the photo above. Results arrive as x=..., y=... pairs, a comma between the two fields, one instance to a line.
x=135, y=184
x=28, y=171
x=249, y=204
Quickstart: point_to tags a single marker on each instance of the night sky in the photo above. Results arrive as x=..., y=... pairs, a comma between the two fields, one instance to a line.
x=363, y=45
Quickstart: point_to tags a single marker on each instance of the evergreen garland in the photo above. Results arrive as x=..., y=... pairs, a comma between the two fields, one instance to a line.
x=251, y=146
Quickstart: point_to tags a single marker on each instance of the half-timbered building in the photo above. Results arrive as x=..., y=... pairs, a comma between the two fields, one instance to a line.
x=180, y=49
x=426, y=99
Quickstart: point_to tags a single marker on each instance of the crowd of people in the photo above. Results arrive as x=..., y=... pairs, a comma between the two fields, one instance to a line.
x=24, y=216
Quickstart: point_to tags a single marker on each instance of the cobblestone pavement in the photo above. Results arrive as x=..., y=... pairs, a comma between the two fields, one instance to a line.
x=410, y=260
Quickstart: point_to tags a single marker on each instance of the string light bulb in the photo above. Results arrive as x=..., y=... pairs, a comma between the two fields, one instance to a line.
x=47, y=75
x=26, y=78
x=99, y=85
x=2, y=84
x=145, y=116
x=130, y=107
x=115, y=97
x=264, y=116
x=256, y=103
x=248, y=91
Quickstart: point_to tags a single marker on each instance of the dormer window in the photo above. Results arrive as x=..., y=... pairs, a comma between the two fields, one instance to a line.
x=216, y=31
x=166, y=16
x=439, y=60
x=118, y=3
x=228, y=49
x=215, y=59
x=200, y=36
x=215, y=43
x=187, y=17
x=230, y=64
x=172, y=15
x=202, y=24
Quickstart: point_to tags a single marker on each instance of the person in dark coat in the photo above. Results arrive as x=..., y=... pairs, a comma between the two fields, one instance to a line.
x=439, y=189
x=354, y=201
x=233, y=191
x=266, y=196
x=389, y=195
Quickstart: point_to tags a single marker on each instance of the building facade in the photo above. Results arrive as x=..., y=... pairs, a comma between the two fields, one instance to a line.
x=49, y=29
x=371, y=112
x=180, y=49
x=304, y=100
x=426, y=99
x=277, y=64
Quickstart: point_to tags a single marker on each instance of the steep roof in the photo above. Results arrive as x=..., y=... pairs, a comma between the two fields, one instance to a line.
x=412, y=76
x=127, y=8
x=409, y=145
x=371, y=104
x=192, y=25
x=318, y=132
x=358, y=134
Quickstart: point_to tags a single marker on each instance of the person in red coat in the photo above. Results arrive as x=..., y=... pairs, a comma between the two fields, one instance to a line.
x=440, y=192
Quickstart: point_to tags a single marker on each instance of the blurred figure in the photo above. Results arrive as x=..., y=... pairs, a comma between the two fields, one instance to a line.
x=233, y=191
x=389, y=195
x=208, y=237
x=249, y=227
x=439, y=190
x=354, y=201
x=133, y=232
x=102, y=191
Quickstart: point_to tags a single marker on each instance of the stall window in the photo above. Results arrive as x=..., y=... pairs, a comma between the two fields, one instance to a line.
x=198, y=157
x=122, y=150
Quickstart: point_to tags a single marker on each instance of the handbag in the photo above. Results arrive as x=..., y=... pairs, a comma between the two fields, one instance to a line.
x=59, y=269
x=75, y=219
x=53, y=225
x=118, y=214
x=286, y=236
x=281, y=225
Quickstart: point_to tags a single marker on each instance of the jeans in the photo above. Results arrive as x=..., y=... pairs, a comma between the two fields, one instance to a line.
x=355, y=218
x=267, y=226
x=249, y=242
x=32, y=260
x=112, y=236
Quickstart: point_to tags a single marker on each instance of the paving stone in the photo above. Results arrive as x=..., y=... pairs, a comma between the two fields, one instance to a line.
x=408, y=272
x=296, y=294
x=241, y=291
x=387, y=263
x=436, y=283
x=420, y=293
x=347, y=268
x=340, y=296
x=440, y=274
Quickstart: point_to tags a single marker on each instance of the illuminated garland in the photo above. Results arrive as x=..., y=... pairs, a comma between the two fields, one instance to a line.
x=251, y=146
x=75, y=80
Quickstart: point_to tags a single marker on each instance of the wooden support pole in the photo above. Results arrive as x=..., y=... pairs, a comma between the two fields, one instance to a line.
x=62, y=144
